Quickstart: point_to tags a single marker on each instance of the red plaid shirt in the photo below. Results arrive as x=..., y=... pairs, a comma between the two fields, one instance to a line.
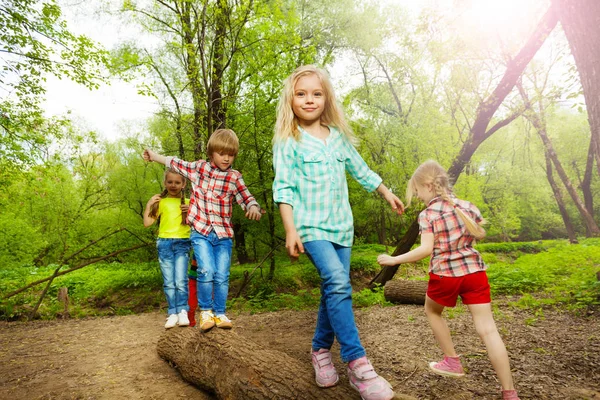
x=212, y=195
x=453, y=252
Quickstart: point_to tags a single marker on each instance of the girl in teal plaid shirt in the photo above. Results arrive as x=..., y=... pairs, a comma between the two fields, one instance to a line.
x=448, y=228
x=312, y=150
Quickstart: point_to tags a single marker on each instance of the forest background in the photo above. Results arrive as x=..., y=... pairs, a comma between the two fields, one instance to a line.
x=413, y=82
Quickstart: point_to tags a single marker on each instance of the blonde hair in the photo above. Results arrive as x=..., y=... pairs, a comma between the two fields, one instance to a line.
x=432, y=173
x=287, y=122
x=165, y=192
x=223, y=141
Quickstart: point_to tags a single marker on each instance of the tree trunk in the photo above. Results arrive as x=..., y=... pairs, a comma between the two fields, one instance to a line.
x=559, y=201
x=404, y=246
x=539, y=123
x=487, y=108
x=586, y=183
x=232, y=367
x=405, y=292
x=240, y=243
x=580, y=20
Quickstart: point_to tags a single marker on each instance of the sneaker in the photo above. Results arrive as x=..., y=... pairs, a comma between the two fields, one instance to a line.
x=183, y=318
x=449, y=366
x=365, y=380
x=223, y=322
x=510, y=395
x=207, y=320
x=171, y=321
x=325, y=373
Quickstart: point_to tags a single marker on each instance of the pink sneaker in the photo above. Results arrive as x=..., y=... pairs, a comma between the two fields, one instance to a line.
x=364, y=379
x=325, y=373
x=510, y=395
x=449, y=366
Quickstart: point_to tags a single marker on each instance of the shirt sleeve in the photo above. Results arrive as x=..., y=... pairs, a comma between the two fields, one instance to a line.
x=425, y=226
x=284, y=184
x=242, y=195
x=190, y=170
x=358, y=168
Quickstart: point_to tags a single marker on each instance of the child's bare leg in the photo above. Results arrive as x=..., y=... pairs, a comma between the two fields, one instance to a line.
x=486, y=329
x=440, y=330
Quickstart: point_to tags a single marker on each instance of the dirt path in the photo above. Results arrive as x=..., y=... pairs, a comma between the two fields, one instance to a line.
x=554, y=356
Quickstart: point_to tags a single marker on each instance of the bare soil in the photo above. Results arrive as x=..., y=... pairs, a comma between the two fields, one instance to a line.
x=554, y=356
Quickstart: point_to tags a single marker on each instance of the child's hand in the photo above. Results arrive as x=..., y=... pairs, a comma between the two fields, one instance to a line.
x=148, y=155
x=386, y=261
x=184, y=208
x=153, y=200
x=293, y=245
x=254, y=213
x=395, y=202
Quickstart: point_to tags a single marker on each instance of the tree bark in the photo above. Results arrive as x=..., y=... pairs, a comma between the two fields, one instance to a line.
x=559, y=201
x=580, y=20
x=405, y=292
x=232, y=367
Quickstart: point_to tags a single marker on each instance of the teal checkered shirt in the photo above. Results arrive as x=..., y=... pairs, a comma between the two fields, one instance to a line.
x=310, y=176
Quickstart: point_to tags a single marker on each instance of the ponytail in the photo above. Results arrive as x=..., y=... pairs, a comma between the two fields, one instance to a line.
x=183, y=213
x=154, y=208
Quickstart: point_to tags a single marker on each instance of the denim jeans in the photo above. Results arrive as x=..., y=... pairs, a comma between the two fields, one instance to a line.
x=336, y=318
x=173, y=258
x=213, y=256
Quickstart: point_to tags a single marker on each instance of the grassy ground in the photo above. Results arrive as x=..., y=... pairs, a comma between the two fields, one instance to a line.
x=534, y=274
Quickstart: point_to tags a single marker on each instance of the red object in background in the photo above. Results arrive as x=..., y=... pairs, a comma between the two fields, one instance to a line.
x=192, y=295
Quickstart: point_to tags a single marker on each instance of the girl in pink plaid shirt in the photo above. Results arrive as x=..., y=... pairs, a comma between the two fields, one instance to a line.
x=448, y=228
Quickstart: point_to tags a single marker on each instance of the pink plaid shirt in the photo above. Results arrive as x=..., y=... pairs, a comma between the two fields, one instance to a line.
x=453, y=252
x=212, y=195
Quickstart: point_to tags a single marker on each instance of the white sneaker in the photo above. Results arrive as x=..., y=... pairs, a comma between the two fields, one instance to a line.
x=171, y=321
x=183, y=318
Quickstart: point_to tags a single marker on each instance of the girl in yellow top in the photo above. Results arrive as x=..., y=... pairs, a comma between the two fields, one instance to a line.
x=173, y=244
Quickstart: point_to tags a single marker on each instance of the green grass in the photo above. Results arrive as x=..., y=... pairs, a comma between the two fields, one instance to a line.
x=535, y=275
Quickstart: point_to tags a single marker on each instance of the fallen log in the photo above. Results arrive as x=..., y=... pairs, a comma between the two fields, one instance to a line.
x=235, y=368
x=405, y=292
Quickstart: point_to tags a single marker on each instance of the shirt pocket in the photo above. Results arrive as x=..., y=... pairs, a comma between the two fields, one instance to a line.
x=312, y=158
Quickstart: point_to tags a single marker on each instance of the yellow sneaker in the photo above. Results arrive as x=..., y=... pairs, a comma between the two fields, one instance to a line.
x=223, y=322
x=207, y=320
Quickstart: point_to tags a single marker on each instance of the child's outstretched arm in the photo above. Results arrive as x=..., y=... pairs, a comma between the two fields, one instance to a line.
x=293, y=244
x=148, y=220
x=150, y=155
x=424, y=250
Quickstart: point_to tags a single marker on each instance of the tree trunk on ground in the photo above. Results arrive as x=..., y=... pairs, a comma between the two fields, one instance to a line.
x=405, y=292
x=232, y=367
x=580, y=20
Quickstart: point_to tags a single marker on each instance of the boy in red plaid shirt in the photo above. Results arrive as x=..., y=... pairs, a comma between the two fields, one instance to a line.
x=448, y=228
x=214, y=187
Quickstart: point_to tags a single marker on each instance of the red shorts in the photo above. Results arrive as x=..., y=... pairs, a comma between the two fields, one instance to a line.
x=472, y=289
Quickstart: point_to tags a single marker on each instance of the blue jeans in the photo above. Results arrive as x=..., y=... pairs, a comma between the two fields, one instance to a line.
x=173, y=258
x=335, y=319
x=213, y=256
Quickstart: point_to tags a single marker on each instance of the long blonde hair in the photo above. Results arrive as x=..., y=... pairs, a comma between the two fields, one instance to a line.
x=154, y=209
x=432, y=173
x=333, y=115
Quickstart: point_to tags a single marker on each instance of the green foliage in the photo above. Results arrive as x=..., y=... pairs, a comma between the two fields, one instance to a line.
x=564, y=274
x=35, y=43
